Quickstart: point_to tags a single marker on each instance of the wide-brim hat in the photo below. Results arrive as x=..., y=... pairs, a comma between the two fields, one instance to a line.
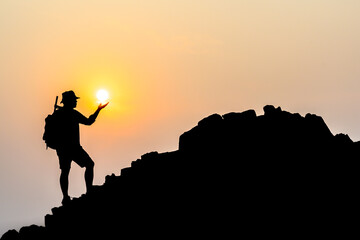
x=68, y=95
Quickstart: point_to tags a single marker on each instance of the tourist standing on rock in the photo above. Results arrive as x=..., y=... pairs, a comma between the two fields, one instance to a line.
x=68, y=148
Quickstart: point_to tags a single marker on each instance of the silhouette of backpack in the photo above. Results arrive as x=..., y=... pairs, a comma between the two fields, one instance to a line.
x=52, y=128
x=52, y=131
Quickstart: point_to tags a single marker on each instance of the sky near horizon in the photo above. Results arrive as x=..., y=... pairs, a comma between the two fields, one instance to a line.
x=166, y=64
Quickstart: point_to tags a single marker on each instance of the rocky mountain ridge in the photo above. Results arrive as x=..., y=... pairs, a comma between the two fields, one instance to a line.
x=278, y=174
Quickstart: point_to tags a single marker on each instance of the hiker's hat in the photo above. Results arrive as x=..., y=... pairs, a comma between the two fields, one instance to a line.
x=68, y=95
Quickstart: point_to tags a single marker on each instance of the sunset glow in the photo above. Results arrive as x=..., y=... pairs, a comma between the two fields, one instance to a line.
x=163, y=66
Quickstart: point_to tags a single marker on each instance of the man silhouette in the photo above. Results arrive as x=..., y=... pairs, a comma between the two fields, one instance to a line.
x=69, y=148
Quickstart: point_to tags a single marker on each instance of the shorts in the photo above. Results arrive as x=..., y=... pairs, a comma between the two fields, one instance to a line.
x=76, y=154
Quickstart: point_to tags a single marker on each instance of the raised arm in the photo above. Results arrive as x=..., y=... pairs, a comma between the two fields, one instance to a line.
x=92, y=118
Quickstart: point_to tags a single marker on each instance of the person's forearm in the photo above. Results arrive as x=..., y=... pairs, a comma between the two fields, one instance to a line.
x=93, y=117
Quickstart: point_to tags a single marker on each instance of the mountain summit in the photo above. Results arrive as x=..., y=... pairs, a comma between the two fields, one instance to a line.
x=278, y=174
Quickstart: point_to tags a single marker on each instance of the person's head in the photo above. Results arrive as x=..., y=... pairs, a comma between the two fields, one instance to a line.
x=69, y=99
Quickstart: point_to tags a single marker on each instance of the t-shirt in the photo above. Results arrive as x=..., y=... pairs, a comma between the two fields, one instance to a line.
x=69, y=126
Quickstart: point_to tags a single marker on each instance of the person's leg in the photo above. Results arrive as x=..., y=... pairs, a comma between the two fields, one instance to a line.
x=83, y=160
x=89, y=176
x=64, y=183
x=65, y=165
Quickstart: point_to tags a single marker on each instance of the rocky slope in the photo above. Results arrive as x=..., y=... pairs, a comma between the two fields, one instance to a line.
x=278, y=174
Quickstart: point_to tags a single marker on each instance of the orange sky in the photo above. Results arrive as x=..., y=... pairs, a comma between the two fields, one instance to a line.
x=166, y=65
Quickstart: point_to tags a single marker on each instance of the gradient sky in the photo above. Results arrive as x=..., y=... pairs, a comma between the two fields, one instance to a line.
x=166, y=64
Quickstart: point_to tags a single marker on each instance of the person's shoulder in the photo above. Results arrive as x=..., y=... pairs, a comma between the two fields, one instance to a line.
x=77, y=113
x=66, y=112
x=59, y=112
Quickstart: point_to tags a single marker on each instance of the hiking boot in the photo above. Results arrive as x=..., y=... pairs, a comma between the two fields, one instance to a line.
x=65, y=200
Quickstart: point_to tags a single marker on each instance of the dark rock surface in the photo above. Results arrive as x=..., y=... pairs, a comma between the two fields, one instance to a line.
x=236, y=175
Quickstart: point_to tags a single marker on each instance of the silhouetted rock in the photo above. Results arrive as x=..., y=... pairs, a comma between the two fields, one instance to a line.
x=248, y=115
x=210, y=121
x=11, y=235
x=277, y=174
x=269, y=110
x=30, y=232
x=343, y=139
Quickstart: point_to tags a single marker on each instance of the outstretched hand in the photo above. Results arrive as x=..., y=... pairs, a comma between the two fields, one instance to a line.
x=101, y=106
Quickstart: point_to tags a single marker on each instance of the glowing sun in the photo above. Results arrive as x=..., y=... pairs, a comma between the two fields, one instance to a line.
x=102, y=95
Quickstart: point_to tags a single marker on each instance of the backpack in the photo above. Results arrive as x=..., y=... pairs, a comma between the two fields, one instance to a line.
x=52, y=130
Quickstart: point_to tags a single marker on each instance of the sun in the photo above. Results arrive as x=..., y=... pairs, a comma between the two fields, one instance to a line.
x=102, y=95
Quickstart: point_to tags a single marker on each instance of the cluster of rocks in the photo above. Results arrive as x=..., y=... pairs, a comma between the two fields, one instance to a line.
x=277, y=174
